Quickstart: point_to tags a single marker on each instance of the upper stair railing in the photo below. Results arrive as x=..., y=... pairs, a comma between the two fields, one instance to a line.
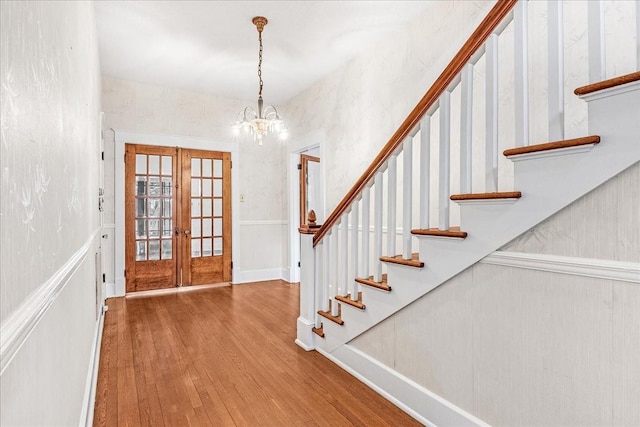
x=497, y=63
x=428, y=101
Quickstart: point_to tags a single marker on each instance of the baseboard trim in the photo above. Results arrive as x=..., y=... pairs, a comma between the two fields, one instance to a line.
x=17, y=328
x=587, y=267
x=88, y=403
x=248, y=276
x=304, y=332
x=423, y=405
x=303, y=345
x=286, y=275
x=109, y=290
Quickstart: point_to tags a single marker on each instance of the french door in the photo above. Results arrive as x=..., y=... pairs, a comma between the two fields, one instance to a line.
x=177, y=217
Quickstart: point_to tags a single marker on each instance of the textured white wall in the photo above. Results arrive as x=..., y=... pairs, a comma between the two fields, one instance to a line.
x=153, y=109
x=601, y=225
x=361, y=104
x=48, y=204
x=524, y=347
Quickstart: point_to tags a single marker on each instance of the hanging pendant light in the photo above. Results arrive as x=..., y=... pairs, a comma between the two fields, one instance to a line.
x=264, y=120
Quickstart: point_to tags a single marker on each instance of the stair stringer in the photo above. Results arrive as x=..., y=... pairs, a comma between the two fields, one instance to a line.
x=548, y=184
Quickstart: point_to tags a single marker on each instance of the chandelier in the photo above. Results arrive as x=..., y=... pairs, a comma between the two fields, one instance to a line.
x=264, y=120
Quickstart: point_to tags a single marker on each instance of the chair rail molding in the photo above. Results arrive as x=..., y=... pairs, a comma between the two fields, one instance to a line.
x=587, y=267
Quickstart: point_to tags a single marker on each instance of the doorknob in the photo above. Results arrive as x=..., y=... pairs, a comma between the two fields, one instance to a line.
x=187, y=232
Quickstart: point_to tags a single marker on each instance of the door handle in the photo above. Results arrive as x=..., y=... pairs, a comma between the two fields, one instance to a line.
x=186, y=232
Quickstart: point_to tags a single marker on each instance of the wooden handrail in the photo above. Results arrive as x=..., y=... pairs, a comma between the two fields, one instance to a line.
x=475, y=42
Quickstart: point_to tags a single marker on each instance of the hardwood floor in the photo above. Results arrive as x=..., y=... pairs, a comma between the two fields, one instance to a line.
x=224, y=357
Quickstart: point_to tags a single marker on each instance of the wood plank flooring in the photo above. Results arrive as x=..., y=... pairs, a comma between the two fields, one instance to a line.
x=224, y=357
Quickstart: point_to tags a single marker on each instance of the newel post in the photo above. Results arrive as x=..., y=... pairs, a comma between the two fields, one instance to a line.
x=306, y=320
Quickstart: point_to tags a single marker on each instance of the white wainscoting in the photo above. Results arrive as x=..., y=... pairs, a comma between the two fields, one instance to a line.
x=409, y=396
x=263, y=251
x=17, y=328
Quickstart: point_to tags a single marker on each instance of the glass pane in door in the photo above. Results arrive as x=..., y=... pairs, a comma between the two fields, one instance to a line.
x=206, y=206
x=153, y=207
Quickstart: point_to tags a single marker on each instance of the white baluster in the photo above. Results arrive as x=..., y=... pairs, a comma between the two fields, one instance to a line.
x=425, y=159
x=466, y=125
x=407, y=192
x=392, y=180
x=366, y=209
x=377, y=227
x=556, y=72
x=596, y=41
x=491, y=159
x=319, y=252
x=521, y=42
x=444, y=163
x=335, y=245
x=344, y=254
x=354, y=251
x=328, y=272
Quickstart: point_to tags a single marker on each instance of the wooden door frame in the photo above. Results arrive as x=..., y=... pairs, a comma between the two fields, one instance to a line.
x=307, y=142
x=304, y=159
x=121, y=137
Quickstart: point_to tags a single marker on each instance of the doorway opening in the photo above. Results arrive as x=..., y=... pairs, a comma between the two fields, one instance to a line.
x=308, y=148
x=309, y=186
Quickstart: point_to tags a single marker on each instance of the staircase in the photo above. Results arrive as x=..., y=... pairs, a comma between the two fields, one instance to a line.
x=415, y=219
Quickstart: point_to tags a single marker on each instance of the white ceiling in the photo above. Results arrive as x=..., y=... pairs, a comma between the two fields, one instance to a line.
x=212, y=46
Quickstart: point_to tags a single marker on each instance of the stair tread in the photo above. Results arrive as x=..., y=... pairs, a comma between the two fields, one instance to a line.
x=567, y=143
x=454, y=232
x=326, y=314
x=347, y=300
x=318, y=331
x=606, y=84
x=487, y=196
x=380, y=285
x=398, y=259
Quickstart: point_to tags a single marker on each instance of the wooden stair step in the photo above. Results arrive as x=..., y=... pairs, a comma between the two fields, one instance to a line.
x=453, y=232
x=568, y=143
x=379, y=285
x=487, y=196
x=607, y=84
x=336, y=319
x=398, y=259
x=327, y=314
x=347, y=300
x=318, y=331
